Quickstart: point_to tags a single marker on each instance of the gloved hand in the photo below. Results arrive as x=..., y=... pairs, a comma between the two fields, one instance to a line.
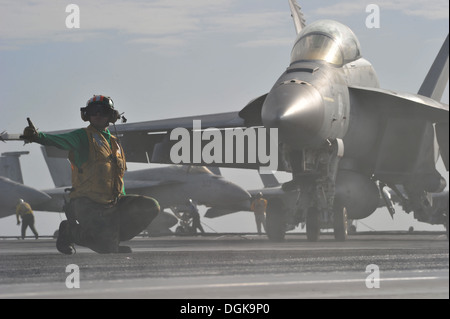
x=29, y=134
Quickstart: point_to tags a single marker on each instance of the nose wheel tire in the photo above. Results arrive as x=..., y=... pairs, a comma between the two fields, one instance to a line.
x=312, y=224
x=340, y=224
x=276, y=226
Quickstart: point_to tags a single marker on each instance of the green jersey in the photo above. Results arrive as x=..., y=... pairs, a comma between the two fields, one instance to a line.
x=75, y=141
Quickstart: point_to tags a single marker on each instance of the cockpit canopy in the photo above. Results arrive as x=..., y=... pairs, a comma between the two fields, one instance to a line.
x=326, y=40
x=194, y=170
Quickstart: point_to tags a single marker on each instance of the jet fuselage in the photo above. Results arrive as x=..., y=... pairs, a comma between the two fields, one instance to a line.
x=181, y=183
x=310, y=104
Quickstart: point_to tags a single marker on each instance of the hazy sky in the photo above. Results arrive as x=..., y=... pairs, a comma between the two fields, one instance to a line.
x=170, y=58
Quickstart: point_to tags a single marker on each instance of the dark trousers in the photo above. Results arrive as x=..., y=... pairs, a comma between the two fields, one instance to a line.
x=102, y=227
x=196, y=223
x=28, y=221
x=260, y=219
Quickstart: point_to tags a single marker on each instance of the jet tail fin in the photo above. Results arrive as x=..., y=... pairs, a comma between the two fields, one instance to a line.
x=10, y=166
x=269, y=180
x=59, y=169
x=437, y=78
x=215, y=170
x=297, y=15
x=433, y=86
x=442, y=134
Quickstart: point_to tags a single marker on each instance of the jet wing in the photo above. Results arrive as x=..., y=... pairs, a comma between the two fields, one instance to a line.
x=219, y=120
x=149, y=141
x=405, y=114
x=60, y=195
x=402, y=104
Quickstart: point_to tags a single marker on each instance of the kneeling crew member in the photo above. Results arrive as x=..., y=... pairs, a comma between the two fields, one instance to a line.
x=99, y=214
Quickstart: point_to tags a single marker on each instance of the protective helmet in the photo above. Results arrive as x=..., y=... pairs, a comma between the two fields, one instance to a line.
x=103, y=101
x=20, y=201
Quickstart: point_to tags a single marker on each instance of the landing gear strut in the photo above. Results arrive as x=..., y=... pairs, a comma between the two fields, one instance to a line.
x=314, y=172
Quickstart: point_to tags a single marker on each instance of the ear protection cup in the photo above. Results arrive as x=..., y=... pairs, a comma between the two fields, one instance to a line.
x=84, y=116
x=114, y=116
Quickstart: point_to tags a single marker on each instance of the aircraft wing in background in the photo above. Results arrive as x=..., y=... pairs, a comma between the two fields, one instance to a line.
x=12, y=187
x=152, y=141
x=11, y=191
x=149, y=141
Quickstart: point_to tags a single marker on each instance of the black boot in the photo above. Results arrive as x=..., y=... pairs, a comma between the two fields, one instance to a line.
x=63, y=242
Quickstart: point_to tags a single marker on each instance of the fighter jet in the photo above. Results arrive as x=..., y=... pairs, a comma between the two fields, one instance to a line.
x=339, y=133
x=336, y=131
x=12, y=188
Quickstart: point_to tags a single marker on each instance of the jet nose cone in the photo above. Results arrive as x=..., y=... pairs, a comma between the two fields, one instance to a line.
x=13, y=191
x=297, y=110
x=33, y=196
x=232, y=195
x=237, y=193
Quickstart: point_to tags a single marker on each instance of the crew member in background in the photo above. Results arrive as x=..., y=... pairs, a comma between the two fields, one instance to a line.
x=196, y=224
x=258, y=207
x=24, y=211
x=99, y=214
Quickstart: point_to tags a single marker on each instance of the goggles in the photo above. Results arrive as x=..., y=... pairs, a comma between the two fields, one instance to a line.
x=102, y=109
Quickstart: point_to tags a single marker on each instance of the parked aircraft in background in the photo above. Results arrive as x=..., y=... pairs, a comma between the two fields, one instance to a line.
x=51, y=200
x=279, y=201
x=173, y=186
x=12, y=188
